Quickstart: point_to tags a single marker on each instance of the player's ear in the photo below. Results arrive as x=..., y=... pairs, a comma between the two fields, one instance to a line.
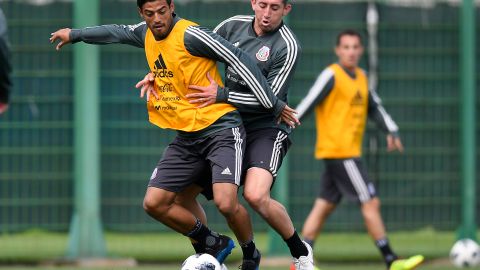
x=172, y=7
x=335, y=50
x=140, y=13
x=287, y=9
x=253, y=3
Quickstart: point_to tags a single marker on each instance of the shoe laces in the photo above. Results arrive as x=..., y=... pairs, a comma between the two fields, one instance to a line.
x=301, y=263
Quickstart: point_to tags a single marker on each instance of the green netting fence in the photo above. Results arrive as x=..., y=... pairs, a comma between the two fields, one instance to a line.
x=418, y=81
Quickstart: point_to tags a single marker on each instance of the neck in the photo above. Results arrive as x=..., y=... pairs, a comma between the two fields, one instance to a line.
x=258, y=30
x=349, y=68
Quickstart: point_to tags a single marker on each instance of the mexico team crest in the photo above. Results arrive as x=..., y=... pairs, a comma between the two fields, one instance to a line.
x=263, y=53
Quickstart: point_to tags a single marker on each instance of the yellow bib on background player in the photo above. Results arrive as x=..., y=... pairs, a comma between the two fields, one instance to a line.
x=175, y=69
x=341, y=117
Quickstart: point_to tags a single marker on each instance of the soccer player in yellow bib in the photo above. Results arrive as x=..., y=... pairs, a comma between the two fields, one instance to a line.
x=342, y=101
x=211, y=140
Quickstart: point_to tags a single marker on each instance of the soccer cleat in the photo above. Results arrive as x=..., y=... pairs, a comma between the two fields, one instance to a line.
x=198, y=247
x=305, y=262
x=221, y=248
x=292, y=267
x=251, y=264
x=407, y=264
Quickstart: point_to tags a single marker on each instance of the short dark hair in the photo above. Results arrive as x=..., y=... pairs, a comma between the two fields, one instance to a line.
x=285, y=2
x=348, y=32
x=140, y=3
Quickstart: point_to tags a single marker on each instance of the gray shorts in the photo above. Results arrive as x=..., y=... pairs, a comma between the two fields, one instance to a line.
x=266, y=149
x=216, y=158
x=346, y=177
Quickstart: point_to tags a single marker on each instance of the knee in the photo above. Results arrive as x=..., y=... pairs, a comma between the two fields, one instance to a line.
x=371, y=207
x=374, y=204
x=323, y=208
x=154, y=206
x=226, y=206
x=256, y=200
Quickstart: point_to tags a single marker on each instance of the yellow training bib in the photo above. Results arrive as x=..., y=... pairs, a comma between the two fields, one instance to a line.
x=175, y=69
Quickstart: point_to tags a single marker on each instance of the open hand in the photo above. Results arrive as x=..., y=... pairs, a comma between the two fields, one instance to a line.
x=207, y=95
x=63, y=35
x=289, y=116
x=394, y=143
x=147, y=86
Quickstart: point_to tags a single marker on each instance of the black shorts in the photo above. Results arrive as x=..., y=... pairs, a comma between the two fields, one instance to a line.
x=346, y=177
x=214, y=158
x=265, y=149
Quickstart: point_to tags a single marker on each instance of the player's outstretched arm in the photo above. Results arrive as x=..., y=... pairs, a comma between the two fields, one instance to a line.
x=63, y=35
x=104, y=34
x=379, y=115
x=317, y=93
x=207, y=95
x=202, y=42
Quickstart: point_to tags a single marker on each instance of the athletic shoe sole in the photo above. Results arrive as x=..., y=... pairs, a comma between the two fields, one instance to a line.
x=222, y=255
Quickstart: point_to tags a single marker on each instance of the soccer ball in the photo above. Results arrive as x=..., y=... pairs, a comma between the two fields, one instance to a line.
x=465, y=253
x=201, y=261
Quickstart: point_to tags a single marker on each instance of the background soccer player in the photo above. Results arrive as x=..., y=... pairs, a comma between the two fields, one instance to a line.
x=180, y=53
x=5, y=66
x=342, y=101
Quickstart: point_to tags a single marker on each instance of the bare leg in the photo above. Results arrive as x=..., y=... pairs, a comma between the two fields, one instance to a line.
x=160, y=204
x=373, y=219
x=187, y=199
x=238, y=219
x=317, y=217
x=376, y=230
x=257, y=193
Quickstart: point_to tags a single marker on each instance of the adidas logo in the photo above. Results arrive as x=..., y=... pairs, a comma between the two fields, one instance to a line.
x=357, y=99
x=236, y=44
x=227, y=171
x=161, y=69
